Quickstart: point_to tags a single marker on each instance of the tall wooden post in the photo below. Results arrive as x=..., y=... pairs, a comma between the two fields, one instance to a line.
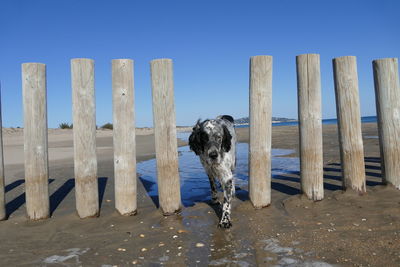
x=35, y=140
x=3, y=214
x=84, y=120
x=165, y=135
x=349, y=123
x=387, y=91
x=260, y=110
x=310, y=125
x=124, y=136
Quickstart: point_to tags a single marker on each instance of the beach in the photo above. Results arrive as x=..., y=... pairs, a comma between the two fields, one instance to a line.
x=344, y=229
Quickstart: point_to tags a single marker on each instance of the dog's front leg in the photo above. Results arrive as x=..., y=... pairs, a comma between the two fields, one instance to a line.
x=214, y=195
x=226, y=206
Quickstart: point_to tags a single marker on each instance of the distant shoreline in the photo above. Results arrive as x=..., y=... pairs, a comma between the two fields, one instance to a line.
x=149, y=130
x=365, y=119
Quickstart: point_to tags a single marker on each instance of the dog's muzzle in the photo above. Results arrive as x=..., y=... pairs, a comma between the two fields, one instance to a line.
x=213, y=155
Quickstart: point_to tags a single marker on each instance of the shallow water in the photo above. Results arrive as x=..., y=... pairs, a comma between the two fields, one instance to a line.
x=195, y=186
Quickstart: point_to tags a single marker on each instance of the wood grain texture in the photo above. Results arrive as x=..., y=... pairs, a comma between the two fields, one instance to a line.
x=387, y=92
x=165, y=135
x=35, y=140
x=2, y=180
x=260, y=130
x=124, y=136
x=349, y=123
x=84, y=120
x=310, y=125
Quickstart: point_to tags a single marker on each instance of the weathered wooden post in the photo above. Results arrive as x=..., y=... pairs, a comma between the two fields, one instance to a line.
x=35, y=140
x=387, y=91
x=84, y=120
x=260, y=109
x=3, y=214
x=349, y=123
x=310, y=125
x=124, y=136
x=165, y=135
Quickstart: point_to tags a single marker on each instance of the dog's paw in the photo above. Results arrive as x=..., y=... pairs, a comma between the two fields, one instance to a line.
x=225, y=224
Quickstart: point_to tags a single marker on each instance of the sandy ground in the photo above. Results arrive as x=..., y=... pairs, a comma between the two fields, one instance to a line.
x=344, y=229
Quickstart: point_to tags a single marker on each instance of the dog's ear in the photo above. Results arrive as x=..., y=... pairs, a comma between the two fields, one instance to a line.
x=195, y=140
x=227, y=140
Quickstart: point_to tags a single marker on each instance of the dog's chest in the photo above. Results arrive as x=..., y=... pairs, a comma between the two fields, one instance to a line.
x=223, y=170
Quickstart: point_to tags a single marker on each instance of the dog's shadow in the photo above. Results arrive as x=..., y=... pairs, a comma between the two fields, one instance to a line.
x=217, y=207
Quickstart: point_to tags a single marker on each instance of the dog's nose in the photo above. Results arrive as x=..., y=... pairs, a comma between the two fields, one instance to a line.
x=213, y=154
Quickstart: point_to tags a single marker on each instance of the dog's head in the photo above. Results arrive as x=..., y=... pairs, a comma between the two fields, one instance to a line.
x=210, y=139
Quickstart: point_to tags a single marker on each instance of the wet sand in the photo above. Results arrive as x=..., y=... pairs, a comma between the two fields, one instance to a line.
x=344, y=229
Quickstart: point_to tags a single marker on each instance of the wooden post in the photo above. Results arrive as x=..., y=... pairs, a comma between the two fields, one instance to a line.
x=3, y=214
x=310, y=125
x=84, y=120
x=165, y=135
x=349, y=123
x=124, y=136
x=260, y=110
x=35, y=140
x=387, y=91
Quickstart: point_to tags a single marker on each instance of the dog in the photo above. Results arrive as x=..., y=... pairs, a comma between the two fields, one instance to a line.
x=214, y=141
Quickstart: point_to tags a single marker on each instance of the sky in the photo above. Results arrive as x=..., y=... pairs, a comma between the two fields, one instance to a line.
x=210, y=43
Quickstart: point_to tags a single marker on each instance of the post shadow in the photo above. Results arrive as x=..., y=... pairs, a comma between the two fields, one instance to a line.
x=60, y=194
x=327, y=169
x=148, y=185
x=102, y=181
x=286, y=178
x=333, y=177
x=371, y=174
x=372, y=159
x=283, y=188
x=286, y=189
x=332, y=187
x=17, y=202
x=373, y=183
x=371, y=167
x=13, y=185
x=334, y=164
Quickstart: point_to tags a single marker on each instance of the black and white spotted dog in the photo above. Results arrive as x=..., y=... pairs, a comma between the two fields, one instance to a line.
x=214, y=142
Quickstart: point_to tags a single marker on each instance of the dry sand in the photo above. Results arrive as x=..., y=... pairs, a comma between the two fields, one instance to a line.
x=344, y=229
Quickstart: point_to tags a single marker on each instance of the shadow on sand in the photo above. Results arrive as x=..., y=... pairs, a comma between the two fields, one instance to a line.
x=20, y=200
x=55, y=199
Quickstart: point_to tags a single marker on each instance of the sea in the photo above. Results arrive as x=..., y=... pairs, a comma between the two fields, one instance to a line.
x=364, y=119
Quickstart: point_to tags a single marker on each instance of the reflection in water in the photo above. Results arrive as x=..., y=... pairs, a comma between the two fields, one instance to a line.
x=195, y=186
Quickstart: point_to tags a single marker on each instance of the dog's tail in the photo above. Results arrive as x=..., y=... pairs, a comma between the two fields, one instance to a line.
x=226, y=117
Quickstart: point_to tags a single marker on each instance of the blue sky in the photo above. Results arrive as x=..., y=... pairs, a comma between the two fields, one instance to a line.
x=210, y=43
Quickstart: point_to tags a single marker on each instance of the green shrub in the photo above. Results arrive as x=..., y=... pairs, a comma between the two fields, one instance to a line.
x=107, y=126
x=65, y=126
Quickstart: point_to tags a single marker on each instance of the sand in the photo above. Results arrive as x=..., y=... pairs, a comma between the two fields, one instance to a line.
x=344, y=229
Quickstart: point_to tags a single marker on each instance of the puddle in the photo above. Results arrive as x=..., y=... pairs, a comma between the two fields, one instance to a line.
x=72, y=256
x=287, y=256
x=195, y=185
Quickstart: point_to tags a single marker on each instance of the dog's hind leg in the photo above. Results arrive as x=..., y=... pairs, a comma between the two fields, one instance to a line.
x=226, y=206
